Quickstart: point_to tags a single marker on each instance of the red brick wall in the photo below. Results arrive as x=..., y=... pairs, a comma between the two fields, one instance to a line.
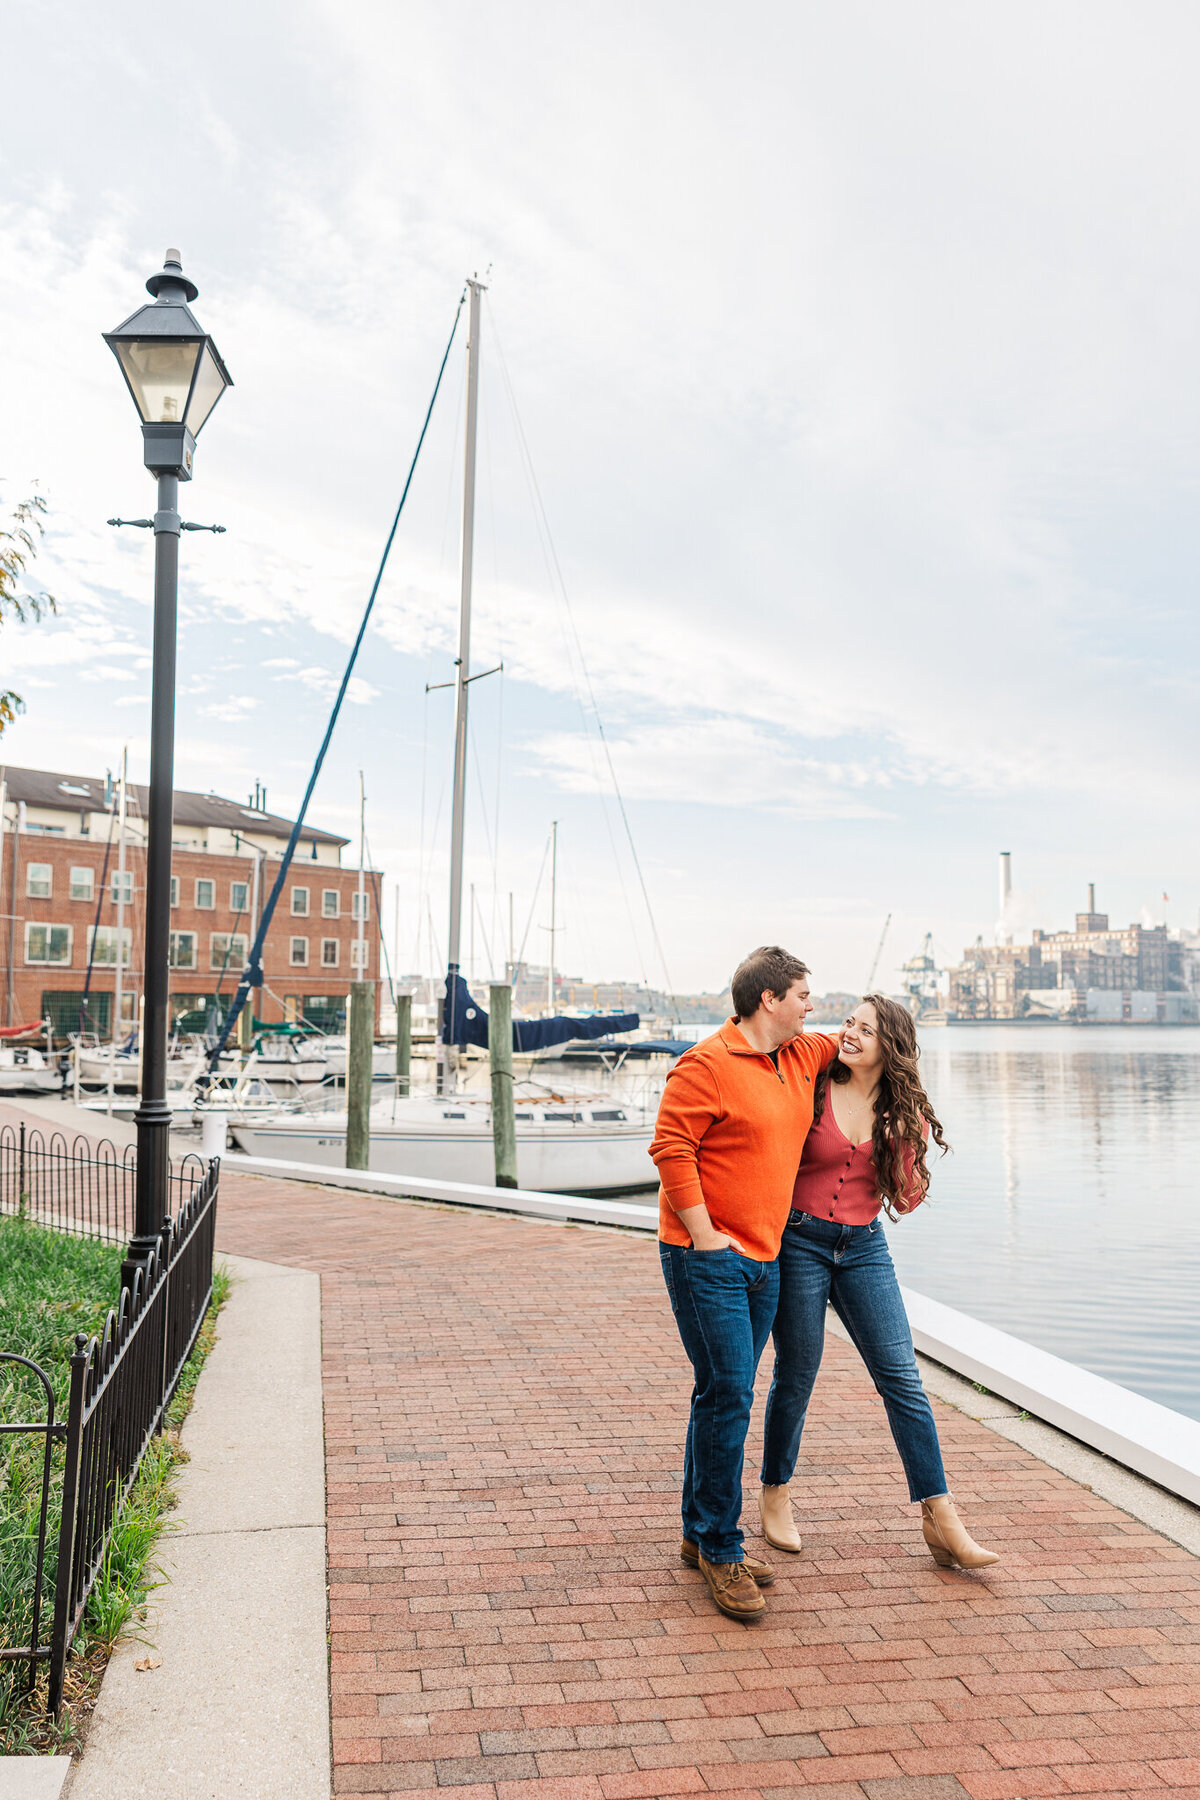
x=26, y=982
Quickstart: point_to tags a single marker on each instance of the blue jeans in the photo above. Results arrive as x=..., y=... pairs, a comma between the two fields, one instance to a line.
x=724, y=1305
x=850, y=1268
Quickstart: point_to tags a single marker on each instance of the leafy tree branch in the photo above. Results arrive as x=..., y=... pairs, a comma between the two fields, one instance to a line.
x=20, y=540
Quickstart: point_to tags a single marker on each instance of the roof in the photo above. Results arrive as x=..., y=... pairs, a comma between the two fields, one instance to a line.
x=87, y=793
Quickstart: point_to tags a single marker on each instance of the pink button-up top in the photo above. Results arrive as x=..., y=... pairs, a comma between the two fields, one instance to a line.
x=836, y=1179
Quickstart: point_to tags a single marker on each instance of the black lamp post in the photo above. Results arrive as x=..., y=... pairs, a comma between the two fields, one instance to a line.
x=176, y=377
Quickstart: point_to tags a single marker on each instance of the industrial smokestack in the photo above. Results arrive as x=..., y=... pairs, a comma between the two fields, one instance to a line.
x=1091, y=896
x=1004, y=934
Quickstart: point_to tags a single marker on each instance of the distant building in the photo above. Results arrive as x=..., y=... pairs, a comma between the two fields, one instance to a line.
x=59, y=861
x=1140, y=975
x=574, y=995
x=833, y=1009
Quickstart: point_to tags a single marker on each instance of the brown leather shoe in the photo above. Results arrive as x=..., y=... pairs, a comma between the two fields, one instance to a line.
x=734, y=1591
x=761, y=1572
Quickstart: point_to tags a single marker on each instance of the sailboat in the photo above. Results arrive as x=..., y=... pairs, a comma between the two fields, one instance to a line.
x=580, y=1146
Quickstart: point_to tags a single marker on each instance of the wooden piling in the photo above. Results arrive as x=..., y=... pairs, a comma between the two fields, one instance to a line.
x=504, y=1125
x=403, y=1044
x=358, y=1075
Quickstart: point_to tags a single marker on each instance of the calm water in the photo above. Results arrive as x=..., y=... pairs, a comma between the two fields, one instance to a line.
x=1069, y=1212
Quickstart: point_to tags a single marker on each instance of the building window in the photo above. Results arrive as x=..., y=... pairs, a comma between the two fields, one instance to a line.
x=181, y=953
x=227, y=949
x=358, y=911
x=174, y=890
x=83, y=884
x=327, y=1012
x=206, y=895
x=102, y=945
x=329, y=953
x=360, y=955
x=330, y=908
x=38, y=881
x=47, y=943
x=299, y=955
x=239, y=896
x=66, y=1011
x=122, y=879
x=300, y=902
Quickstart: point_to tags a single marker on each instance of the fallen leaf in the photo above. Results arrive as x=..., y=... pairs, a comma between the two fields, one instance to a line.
x=147, y=1662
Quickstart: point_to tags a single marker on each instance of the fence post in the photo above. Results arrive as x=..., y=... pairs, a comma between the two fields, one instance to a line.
x=21, y=1174
x=64, y=1579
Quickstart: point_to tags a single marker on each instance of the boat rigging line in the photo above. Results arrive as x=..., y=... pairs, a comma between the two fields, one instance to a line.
x=252, y=976
x=544, y=522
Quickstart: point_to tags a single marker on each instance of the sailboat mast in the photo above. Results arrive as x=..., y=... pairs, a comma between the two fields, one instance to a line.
x=462, y=677
x=553, y=913
x=117, y=984
x=462, y=672
x=361, y=895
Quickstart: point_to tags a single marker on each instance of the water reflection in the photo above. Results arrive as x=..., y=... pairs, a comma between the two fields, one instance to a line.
x=1067, y=1212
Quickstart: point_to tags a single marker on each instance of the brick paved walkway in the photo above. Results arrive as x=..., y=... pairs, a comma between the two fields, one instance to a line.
x=505, y=1404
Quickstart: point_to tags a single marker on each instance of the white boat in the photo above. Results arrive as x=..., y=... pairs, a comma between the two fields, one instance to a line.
x=248, y=1098
x=95, y=1062
x=337, y=1051
x=26, y=1070
x=592, y=1146
x=292, y=1061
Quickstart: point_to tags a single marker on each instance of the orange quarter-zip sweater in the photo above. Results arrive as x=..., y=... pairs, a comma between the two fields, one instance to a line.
x=731, y=1127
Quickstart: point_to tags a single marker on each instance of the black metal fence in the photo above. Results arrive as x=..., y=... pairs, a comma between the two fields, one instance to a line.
x=121, y=1382
x=82, y=1186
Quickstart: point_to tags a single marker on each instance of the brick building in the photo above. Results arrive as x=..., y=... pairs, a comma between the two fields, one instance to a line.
x=60, y=906
x=1064, y=973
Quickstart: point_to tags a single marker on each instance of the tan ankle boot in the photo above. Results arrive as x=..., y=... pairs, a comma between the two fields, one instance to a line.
x=948, y=1539
x=778, y=1525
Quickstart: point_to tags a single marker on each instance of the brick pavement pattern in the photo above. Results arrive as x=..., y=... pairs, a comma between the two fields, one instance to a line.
x=505, y=1406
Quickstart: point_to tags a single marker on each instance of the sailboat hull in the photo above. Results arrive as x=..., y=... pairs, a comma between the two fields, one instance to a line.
x=575, y=1159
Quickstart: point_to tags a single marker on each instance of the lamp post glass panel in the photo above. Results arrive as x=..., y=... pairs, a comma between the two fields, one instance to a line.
x=175, y=376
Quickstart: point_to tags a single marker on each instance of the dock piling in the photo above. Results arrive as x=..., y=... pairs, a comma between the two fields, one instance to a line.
x=504, y=1125
x=358, y=1075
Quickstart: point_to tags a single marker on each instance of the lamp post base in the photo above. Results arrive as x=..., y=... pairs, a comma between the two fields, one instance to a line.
x=153, y=1201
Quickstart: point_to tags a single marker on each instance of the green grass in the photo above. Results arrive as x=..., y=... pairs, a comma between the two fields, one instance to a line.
x=52, y=1287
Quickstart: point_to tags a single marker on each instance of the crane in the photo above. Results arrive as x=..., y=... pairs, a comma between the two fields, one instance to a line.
x=878, y=953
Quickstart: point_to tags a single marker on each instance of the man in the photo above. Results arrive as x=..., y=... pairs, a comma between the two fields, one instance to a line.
x=732, y=1122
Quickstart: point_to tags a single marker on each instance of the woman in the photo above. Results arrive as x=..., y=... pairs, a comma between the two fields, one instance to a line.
x=871, y=1119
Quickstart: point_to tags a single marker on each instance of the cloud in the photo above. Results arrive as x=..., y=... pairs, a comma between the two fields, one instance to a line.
x=232, y=711
x=860, y=380
x=712, y=762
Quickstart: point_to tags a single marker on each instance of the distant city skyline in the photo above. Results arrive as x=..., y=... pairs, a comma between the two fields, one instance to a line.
x=855, y=356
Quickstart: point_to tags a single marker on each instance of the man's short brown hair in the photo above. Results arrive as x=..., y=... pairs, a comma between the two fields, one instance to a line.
x=767, y=970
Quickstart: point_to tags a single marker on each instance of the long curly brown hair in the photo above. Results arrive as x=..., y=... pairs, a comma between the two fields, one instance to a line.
x=902, y=1108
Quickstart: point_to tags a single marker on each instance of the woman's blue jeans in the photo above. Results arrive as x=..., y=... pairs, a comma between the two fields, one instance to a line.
x=724, y=1304
x=850, y=1268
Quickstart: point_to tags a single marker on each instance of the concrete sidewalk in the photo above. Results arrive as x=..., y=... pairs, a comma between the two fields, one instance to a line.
x=239, y=1705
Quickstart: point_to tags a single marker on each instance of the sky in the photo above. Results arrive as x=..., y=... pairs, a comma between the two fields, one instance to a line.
x=840, y=407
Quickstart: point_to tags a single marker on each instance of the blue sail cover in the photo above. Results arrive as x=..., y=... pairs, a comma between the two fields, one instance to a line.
x=469, y=1023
